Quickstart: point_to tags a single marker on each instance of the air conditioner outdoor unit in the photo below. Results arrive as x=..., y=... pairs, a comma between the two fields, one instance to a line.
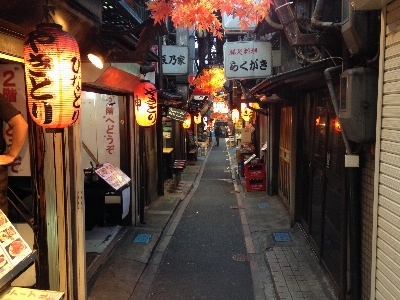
x=354, y=28
x=358, y=100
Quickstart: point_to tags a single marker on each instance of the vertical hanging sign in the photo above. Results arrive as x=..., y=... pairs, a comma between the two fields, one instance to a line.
x=250, y=59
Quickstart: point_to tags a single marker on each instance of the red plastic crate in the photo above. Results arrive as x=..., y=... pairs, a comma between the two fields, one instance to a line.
x=254, y=170
x=255, y=184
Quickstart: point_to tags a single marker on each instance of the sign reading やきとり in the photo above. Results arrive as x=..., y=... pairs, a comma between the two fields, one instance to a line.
x=249, y=59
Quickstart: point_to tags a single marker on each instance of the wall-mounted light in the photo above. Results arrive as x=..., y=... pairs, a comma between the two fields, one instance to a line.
x=145, y=94
x=53, y=76
x=96, y=59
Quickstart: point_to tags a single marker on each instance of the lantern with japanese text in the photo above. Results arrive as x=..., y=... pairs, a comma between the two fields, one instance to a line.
x=53, y=76
x=188, y=121
x=145, y=103
x=235, y=115
x=197, y=118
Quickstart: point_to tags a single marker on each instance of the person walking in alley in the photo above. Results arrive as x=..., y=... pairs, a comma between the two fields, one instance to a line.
x=217, y=132
x=9, y=114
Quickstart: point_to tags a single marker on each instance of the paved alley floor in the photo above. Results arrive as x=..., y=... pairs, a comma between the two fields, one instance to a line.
x=212, y=240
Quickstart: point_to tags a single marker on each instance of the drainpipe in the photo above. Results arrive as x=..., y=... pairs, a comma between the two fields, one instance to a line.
x=354, y=207
x=316, y=19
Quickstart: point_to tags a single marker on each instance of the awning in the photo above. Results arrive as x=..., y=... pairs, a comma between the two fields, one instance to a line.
x=307, y=78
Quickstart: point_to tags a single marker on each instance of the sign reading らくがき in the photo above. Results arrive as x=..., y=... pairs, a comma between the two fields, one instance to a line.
x=250, y=59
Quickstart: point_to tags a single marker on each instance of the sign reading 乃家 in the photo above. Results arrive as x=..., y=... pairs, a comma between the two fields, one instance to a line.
x=250, y=59
x=175, y=60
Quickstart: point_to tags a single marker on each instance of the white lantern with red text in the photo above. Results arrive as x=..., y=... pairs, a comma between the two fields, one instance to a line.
x=145, y=103
x=53, y=76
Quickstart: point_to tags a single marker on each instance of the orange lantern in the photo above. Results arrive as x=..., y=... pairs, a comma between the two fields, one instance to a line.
x=188, y=121
x=235, y=115
x=145, y=103
x=53, y=76
x=197, y=119
x=337, y=125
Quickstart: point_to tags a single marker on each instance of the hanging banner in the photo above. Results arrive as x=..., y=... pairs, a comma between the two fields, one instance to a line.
x=250, y=59
x=12, y=86
x=175, y=60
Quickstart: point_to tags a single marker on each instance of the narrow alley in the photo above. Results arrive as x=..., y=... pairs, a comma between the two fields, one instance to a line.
x=213, y=240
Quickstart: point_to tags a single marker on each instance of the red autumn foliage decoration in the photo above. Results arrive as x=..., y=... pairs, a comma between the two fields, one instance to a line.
x=201, y=13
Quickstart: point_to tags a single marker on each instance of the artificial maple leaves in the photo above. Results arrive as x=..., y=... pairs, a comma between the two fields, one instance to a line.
x=210, y=80
x=200, y=14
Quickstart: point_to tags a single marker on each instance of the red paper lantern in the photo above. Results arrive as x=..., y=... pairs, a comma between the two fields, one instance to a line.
x=53, y=76
x=145, y=103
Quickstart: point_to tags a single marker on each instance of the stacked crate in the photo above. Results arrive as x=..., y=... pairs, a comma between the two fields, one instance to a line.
x=255, y=177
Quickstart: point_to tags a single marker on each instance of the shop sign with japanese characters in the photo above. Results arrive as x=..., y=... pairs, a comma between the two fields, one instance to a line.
x=12, y=86
x=175, y=60
x=249, y=59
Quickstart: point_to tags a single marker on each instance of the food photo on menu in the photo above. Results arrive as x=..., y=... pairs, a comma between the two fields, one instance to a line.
x=113, y=176
x=13, y=249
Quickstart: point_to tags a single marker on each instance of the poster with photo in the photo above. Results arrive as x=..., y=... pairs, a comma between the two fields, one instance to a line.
x=13, y=249
x=113, y=176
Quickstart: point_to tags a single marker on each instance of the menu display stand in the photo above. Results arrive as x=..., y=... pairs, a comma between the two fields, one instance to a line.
x=112, y=182
x=15, y=257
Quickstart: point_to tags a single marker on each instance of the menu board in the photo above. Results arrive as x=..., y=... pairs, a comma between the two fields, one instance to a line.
x=13, y=249
x=113, y=176
x=176, y=114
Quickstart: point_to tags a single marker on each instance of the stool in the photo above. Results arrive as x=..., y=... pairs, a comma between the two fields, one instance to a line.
x=177, y=169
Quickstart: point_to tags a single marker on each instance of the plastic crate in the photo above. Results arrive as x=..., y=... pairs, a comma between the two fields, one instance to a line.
x=254, y=170
x=255, y=184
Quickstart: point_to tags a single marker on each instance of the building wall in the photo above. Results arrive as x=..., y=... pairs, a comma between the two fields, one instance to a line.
x=367, y=201
x=385, y=268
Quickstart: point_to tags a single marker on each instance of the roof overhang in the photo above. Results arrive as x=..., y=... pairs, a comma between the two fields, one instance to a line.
x=278, y=87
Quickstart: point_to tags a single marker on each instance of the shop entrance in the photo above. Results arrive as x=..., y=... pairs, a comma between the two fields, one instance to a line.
x=284, y=156
x=321, y=183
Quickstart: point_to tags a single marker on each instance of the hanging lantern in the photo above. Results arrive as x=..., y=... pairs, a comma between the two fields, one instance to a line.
x=245, y=112
x=53, y=76
x=186, y=124
x=235, y=115
x=145, y=103
x=337, y=125
x=197, y=119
